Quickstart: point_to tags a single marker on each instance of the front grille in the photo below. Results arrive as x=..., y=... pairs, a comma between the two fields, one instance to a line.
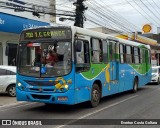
x=34, y=89
x=40, y=83
x=41, y=97
x=48, y=90
x=41, y=86
x=41, y=90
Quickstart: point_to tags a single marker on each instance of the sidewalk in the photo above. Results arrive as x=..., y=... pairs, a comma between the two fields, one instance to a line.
x=6, y=100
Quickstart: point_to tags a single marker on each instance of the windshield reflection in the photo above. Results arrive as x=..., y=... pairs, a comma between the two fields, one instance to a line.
x=44, y=59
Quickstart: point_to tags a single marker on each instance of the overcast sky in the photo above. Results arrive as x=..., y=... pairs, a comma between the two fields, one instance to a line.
x=137, y=12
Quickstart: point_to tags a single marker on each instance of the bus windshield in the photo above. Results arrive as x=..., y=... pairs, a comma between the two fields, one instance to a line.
x=44, y=59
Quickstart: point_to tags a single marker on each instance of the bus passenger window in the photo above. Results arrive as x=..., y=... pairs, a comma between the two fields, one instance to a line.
x=96, y=51
x=82, y=55
x=82, y=51
x=121, y=50
x=105, y=51
x=79, y=52
x=136, y=55
x=112, y=50
x=128, y=54
x=149, y=57
x=80, y=59
x=141, y=56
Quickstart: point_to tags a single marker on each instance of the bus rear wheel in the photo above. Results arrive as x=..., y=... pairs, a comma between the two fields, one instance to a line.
x=135, y=85
x=95, y=95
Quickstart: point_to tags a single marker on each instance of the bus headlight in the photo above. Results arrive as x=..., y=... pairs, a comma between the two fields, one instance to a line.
x=20, y=86
x=64, y=88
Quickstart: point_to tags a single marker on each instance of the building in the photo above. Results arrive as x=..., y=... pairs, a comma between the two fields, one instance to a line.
x=14, y=17
x=155, y=49
x=151, y=39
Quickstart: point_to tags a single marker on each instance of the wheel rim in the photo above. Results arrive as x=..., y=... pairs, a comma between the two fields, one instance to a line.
x=95, y=95
x=12, y=91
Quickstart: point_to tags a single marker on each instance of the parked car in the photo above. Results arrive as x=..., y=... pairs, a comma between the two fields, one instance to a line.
x=155, y=75
x=8, y=80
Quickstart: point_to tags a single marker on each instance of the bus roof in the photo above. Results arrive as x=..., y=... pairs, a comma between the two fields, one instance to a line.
x=105, y=36
x=84, y=31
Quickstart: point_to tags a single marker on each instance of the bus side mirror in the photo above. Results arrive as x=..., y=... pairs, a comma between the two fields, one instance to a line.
x=78, y=46
x=7, y=50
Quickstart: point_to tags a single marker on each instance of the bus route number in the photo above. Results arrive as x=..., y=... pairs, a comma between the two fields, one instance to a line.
x=29, y=35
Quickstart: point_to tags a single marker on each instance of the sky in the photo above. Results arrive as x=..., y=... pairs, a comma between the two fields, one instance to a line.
x=136, y=12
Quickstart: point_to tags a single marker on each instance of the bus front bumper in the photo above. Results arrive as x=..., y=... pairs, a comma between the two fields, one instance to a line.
x=51, y=98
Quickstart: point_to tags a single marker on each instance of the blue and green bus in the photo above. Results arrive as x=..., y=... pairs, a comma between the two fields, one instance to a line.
x=89, y=65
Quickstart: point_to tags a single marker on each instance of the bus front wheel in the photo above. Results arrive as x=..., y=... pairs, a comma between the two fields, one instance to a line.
x=95, y=95
x=135, y=85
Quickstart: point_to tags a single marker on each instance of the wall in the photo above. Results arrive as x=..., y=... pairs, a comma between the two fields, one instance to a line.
x=11, y=25
x=4, y=38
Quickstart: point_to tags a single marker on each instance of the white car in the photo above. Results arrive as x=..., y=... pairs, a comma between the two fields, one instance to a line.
x=8, y=79
x=155, y=75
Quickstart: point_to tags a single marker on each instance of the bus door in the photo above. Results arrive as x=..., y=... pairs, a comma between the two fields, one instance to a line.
x=148, y=61
x=82, y=67
x=145, y=61
x=112, y=57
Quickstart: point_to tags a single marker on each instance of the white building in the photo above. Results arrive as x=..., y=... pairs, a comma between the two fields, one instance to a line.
x=13, y=22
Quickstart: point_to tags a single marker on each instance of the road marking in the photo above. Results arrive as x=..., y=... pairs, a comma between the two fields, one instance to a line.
x=89, y=114
x=12, y=106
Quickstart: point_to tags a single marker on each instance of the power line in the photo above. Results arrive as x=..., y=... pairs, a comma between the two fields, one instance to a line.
x=137, y=9
x=19, y=7
x=109, y=17
x=153, y=7
x=156, y=4
x=38, y=13
x=117, y=16
x=149, y=10
x=145, y=12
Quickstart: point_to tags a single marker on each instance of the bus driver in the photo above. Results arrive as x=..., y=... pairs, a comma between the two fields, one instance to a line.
x=52, y=58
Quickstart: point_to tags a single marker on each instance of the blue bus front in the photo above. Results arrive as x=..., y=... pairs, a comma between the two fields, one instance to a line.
x=44, y=66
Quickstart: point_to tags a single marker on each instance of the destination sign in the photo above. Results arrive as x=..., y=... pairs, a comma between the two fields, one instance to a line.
x=46, y=33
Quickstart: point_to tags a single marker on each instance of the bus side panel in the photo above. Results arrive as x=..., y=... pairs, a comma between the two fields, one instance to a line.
x=129, y=77
x=82, y=88
x=145, y=78
x=121, y=77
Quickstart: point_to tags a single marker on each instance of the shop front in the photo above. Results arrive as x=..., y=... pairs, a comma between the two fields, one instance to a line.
x=10, y=28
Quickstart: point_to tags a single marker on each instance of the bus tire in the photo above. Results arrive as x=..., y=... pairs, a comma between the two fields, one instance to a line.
x=95, y=95
x=135, y=85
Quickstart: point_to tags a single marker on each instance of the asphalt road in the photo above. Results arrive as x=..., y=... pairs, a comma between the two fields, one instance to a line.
x=7, y=100
x=145, y=104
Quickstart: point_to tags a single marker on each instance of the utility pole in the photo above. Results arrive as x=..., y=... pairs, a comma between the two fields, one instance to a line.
x=80, y=8
x=53, y=8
